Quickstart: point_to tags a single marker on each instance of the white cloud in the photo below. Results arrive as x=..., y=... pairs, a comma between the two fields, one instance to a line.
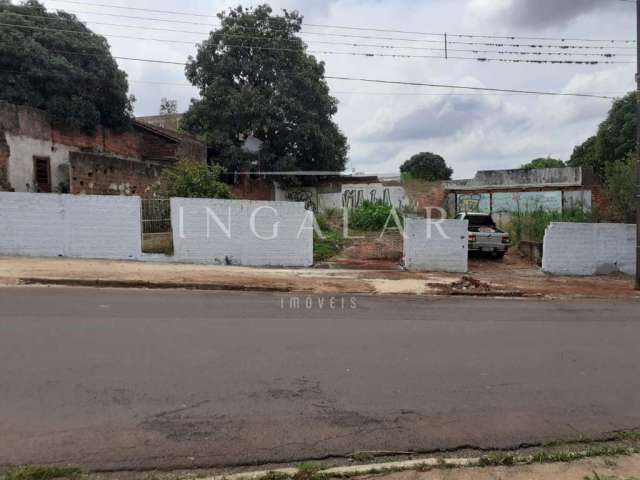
x=471, y=132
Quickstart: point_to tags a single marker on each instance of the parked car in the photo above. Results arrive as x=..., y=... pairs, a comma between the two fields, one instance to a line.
x=484, y=234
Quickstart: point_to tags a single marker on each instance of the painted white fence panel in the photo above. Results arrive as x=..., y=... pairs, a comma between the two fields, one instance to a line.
x=584, y=249
x=436, y=245
x=241, y=232
x=51, y=225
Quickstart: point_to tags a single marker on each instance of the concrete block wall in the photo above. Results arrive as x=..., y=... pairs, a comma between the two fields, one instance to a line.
x=584, y=249
x=230, y=240
x=427, y=249
x=51, y=225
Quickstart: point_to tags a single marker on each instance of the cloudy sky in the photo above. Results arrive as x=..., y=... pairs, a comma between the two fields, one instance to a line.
x=386, y=124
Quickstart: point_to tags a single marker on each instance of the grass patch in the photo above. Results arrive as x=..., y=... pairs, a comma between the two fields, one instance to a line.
x=629, y=436
x=42, y=472
x=327, y=247
x=508, y=459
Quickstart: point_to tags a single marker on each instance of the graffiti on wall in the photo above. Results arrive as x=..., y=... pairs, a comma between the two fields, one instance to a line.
x=508, y=202
x=305, y=196
x=353, y=197
x=474, y=202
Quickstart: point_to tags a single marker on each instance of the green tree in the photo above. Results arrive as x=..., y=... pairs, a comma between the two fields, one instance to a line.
x=584, y=155
x=621, y=189
x=266, y=85
x=189, y=179
x=543, y=163
x=614, y=140
x=426, y=166
x=168, y=107
x=52, y=61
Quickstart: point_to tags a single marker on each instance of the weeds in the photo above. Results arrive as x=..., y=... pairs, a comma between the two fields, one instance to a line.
x=42, y=472
x=499, y=460
x=276, y=476
x=371, y=216
x=327, y=247
x=531, y=226
x=310, y=471
x=507, y=459
x=362, y=457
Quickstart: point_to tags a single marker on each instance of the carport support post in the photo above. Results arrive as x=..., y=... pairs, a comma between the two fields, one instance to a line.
x=638, y=147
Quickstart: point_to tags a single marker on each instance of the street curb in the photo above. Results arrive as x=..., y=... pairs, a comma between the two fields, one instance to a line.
x=96, y=283
x=356, y=470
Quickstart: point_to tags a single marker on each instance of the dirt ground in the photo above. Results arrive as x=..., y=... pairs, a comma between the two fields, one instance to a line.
x=512, y=277
x=621, y=468
x=369, y=251
x=523, y=275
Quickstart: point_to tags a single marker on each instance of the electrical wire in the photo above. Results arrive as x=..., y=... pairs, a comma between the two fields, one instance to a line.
x=381, y=30
x=365, y=54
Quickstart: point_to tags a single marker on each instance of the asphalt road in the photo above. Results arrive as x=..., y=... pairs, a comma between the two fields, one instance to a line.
x=116, y=379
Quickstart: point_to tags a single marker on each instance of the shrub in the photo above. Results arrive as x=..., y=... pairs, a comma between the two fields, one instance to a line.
x=190, y=179
x=371, y=216
x=621, y=189
x=327, y=247
x=4, y=180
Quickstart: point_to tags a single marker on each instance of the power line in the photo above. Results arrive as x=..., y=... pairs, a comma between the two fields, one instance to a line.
x=485, y=89
x=357, y=45
x=537, y=45
x=358, y=54
x=420, y=84
x=561, y=46
x=342, y=27
x=390, y=94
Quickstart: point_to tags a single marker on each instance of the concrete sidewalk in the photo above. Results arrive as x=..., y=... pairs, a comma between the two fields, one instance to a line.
x=602, y=468
x=500, y=281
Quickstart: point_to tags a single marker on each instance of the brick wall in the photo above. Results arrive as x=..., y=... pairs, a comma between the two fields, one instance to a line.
x=4, y=162
x=100, y=174
x=78, y=139
x=599, y=199
x=426, y=196
x=253, y=189
x=155, y=147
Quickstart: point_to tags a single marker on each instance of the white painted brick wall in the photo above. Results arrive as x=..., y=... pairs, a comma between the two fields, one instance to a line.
x=50, y=225
x=427, y=249
x=198, y=238
x=584, y=249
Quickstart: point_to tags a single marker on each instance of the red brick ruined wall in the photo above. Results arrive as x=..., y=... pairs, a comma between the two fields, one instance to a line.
x=97, y=174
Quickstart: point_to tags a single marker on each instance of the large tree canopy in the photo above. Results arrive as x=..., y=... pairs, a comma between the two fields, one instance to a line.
x=52, y=61
x=614, y=141
x=255, y=78
x=427, y=166
x=542, y=162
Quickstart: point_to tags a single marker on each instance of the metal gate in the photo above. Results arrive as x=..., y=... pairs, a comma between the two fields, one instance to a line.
x=157, y=236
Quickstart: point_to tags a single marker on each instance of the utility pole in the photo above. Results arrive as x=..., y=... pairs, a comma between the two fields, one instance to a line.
x=637, y=195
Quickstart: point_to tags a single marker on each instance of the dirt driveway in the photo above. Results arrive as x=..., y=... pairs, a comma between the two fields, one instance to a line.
x=521, y=274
